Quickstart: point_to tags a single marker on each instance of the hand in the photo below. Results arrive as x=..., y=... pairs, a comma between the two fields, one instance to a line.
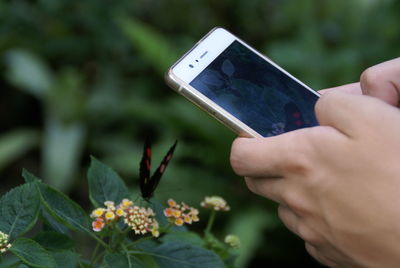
x=383, y=81
x=338, y=184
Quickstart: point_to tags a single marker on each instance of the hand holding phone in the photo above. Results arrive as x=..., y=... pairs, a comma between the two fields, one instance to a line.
x=242, y=88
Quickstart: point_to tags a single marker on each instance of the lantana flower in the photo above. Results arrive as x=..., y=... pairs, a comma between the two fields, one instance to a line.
x=232, y=240
x=216, y=203
x=141, y=220
x=4, y=244
x=109, y=214
x=181, y=213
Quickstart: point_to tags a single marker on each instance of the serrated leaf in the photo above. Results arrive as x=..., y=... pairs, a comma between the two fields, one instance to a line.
x=50, y=224
x=32, y=254
x=115, y=260
x=29, y=177
x=66, y=259
x=54, y=241
x=105, y=184
x=185, y=255
x=63, y=209
x=19, y=210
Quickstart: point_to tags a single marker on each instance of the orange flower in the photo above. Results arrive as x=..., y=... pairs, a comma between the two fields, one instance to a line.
x=180, y=213
x=98, y=224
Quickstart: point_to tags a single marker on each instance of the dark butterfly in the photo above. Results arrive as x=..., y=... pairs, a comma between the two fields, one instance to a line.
x=294, y=118
x=147, y=183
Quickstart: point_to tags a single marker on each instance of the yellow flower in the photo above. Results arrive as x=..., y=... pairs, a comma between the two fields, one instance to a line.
x=120, y=212
x=154, y=229
x=126, y=203
x=179, y=221
x=98, y=212
x=216, y=203
x=171, y=202
x=109, y=215
x=177, y=213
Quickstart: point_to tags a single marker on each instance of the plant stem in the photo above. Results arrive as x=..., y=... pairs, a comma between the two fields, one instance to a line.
x=94, y=253
x=127, y=255
x=99, y=240
x=210, y=222
x=99, y=256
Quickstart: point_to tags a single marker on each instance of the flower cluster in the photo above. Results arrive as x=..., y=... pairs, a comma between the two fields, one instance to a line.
x=181, y=213
x=139, y=219
x=4, y=245
x=216, y=203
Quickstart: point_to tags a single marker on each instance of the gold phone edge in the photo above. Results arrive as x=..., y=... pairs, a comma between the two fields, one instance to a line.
x=179, y=86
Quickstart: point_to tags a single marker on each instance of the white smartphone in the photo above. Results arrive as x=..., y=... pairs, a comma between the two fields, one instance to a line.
x=242, y=88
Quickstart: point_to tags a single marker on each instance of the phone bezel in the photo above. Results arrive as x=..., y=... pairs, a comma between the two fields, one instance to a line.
x=180, y=75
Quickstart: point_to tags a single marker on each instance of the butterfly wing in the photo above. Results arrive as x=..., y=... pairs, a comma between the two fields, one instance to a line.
x=144, y=170
x=155, y=179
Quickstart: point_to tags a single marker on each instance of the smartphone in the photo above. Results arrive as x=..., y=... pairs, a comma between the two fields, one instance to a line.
x=240, y=87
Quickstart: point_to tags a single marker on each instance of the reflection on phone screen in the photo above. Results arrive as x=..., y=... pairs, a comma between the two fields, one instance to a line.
x=256, y=92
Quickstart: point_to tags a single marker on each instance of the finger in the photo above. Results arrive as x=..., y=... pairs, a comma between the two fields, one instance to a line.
x=269, y=157
x=383, y=81
x=346, y=112
x=289, y=219
x=269, y=188
x=353, y=88
x=318, y=256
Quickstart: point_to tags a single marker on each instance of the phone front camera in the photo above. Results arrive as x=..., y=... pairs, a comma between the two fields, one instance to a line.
x=191, y=65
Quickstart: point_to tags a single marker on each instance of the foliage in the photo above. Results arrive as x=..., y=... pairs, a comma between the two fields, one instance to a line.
x=86, y=76
x=122, y=240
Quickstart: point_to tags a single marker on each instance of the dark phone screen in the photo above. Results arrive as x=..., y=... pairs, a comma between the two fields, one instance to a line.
x=256, y=92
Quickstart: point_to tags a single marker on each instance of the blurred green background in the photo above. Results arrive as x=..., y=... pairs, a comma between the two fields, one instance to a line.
x=81, y=78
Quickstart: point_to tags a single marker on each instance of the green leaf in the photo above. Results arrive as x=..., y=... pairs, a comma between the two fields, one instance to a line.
x=29, y=177
x=16, y=143
x=32, y=254
x=152, y=44
x=188, y=237
x=184, y=255
x=54, y=241
x=63, y=209
x=62, y=147
x=105, y=184
x=115, y=260
x=50, y=224
x=66, y=259
x=19, y=210
x=28, y=72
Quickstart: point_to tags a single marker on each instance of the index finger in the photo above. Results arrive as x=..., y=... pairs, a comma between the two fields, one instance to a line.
x=353, y=88
x=270, y=157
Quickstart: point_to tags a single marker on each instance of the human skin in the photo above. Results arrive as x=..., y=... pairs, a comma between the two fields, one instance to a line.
x=337, y=184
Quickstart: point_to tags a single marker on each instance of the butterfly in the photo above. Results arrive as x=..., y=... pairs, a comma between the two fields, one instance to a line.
x=147, y=183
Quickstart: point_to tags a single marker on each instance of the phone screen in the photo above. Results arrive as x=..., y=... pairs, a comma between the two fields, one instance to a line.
x=256, y=92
